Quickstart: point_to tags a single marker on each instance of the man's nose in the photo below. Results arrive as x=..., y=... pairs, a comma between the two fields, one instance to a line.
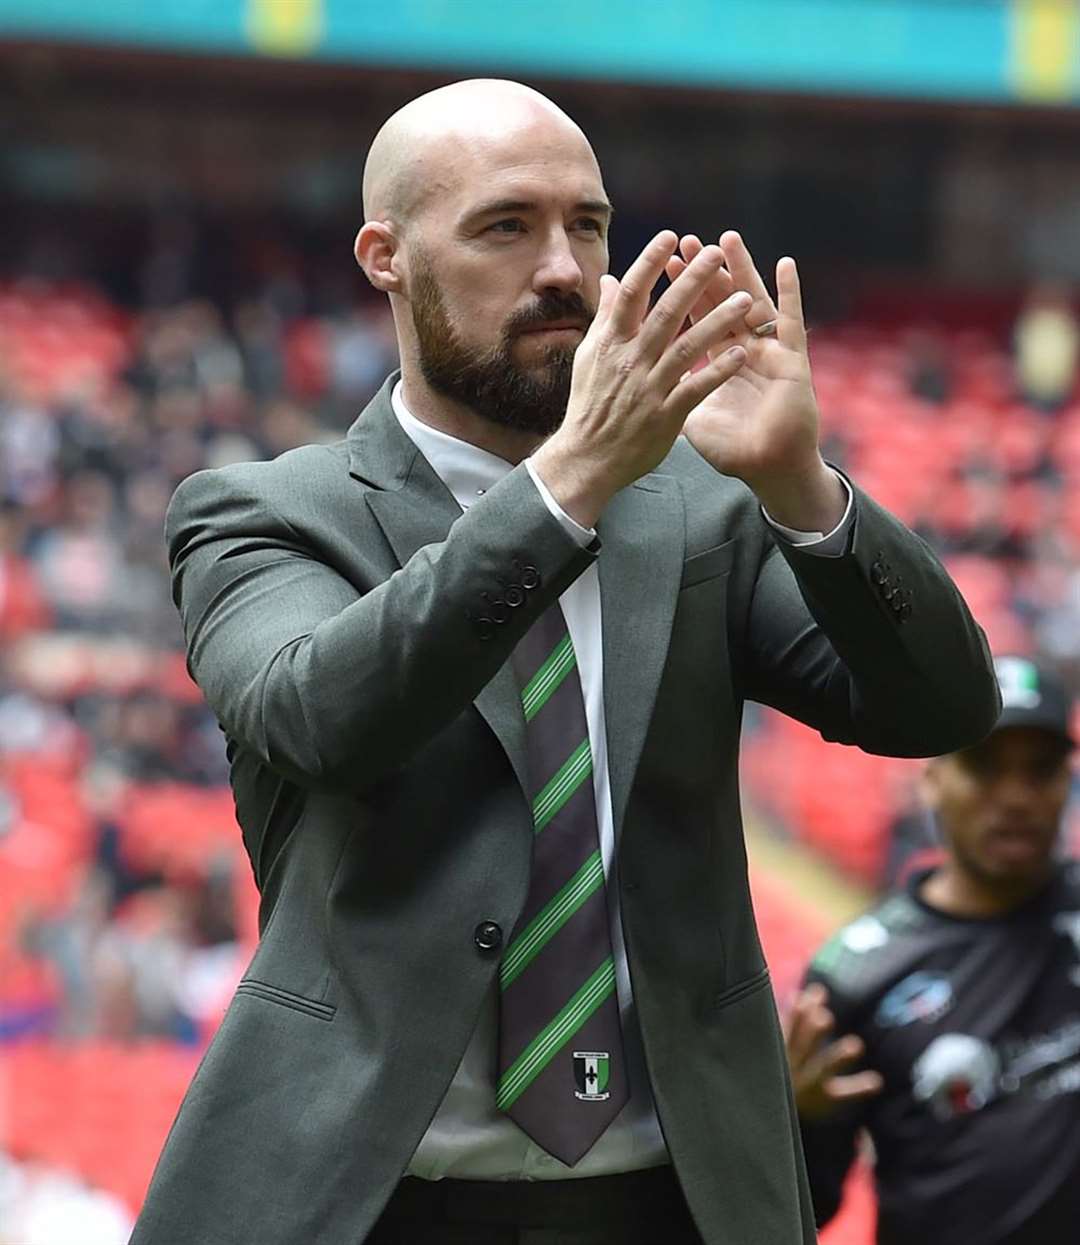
x=557, y=267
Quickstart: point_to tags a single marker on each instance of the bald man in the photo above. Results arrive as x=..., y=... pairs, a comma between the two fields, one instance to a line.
x=481, y=666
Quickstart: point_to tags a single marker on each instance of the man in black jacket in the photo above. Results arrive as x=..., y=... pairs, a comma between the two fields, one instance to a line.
x=959, y=999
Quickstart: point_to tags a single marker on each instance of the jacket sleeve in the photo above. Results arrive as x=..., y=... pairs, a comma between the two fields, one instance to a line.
x=330, y=684
x=875, y=647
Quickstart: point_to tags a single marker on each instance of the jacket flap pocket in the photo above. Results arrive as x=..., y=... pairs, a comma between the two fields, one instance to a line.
x=707, y=565
x=274, y=994
x=732, y=994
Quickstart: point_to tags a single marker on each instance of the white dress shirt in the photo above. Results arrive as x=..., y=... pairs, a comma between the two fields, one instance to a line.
x=468, y=1138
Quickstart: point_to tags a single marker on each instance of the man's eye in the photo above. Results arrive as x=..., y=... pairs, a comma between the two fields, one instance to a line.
x=506, y=226
x=1045, y=769
x=591, y=224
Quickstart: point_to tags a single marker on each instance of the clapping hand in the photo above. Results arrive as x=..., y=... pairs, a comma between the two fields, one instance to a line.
x=633, y=385
x=761, y=424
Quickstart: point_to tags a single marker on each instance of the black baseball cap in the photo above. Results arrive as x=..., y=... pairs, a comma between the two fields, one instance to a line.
x=1033, y=695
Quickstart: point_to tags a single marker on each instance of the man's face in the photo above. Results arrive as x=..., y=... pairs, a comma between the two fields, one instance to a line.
x=504, y=276
x=1000, y=803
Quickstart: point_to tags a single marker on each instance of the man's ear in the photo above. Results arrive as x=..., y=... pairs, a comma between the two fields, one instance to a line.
x=376, y=251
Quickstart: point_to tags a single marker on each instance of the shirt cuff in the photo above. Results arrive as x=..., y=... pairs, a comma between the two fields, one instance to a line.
x=584, y=536
x=832, y=545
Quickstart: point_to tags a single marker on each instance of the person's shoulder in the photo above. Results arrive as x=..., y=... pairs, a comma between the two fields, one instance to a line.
x=860, y=953
x=300, y=478
x=307, y=470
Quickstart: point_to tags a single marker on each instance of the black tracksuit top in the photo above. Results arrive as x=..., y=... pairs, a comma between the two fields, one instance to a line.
x=975, y=1027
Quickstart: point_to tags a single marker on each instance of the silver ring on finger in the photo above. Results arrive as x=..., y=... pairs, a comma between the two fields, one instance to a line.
x=768, y=329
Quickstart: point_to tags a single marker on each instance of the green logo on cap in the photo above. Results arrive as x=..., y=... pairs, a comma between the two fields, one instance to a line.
x=1019, y=681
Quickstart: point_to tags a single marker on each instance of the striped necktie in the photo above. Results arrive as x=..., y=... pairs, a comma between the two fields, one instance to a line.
x=562, y=1076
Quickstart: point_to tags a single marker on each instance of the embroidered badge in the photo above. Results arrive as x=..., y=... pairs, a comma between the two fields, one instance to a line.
x=591, y=1072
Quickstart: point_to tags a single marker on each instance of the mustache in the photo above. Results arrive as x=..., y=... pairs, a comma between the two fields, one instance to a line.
x=552, y=306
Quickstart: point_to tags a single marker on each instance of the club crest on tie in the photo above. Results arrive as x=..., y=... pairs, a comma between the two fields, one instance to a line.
x=591, y=1072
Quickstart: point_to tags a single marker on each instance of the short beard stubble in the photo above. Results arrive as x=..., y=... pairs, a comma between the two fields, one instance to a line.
x=489, y=381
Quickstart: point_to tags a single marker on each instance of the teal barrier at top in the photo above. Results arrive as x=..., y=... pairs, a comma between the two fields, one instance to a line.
x=944, y=49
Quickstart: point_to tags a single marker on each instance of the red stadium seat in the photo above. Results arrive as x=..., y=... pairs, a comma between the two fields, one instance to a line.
x=99, y=1109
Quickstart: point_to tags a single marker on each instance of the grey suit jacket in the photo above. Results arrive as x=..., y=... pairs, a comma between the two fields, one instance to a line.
x=354, y=646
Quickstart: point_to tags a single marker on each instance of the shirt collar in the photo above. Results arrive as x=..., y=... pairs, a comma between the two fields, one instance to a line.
x=466, y=470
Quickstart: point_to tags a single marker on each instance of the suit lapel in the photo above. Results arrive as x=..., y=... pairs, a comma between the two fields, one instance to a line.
x=414, y=508
x=643, y=530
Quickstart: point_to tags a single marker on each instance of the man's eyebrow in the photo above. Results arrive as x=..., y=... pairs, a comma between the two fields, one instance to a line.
x=596, y=207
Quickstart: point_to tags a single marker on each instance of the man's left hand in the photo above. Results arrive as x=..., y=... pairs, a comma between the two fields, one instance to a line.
x=761, y=425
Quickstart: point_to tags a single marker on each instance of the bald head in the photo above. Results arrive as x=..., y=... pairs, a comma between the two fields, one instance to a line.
x=485, y=218
x=427, y=147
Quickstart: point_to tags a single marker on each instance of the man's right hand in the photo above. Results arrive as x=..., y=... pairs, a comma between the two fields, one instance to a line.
x=632, y=387
x=818, y=1062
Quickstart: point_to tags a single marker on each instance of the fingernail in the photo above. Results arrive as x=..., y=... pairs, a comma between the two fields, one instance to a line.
x=740, y=299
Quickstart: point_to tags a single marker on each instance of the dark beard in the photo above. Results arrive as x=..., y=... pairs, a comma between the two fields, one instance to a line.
x=491, y=382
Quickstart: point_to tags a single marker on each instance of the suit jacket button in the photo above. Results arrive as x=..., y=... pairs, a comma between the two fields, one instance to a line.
x=488, y=936
x=530, y=577
x=485, y=628
x=514, y=596
x=878, y=575
x=496, y=609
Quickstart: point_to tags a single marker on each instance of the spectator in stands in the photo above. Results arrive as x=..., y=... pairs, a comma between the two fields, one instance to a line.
x=79, y=561
x=29, y=445
x=1047, y=345
x=958, y=1004
x=928, y=373
x=361, y=352
x=136, y=957
x=262, y=349
x=22, y=603
x=1058, y=627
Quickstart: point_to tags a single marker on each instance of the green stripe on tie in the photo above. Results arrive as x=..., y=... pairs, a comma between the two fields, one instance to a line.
x=570, y=776
x=544, y=1047
x=542, y=686
x=550, y=919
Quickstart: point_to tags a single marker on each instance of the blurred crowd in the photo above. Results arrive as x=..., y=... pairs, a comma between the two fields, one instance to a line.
x=122, y=884
x=119, y=910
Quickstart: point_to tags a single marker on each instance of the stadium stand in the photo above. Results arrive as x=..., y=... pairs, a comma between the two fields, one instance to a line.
x=126, y=907
x=187, y=219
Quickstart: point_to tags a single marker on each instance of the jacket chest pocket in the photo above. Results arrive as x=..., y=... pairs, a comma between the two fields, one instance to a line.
x=709, y=564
